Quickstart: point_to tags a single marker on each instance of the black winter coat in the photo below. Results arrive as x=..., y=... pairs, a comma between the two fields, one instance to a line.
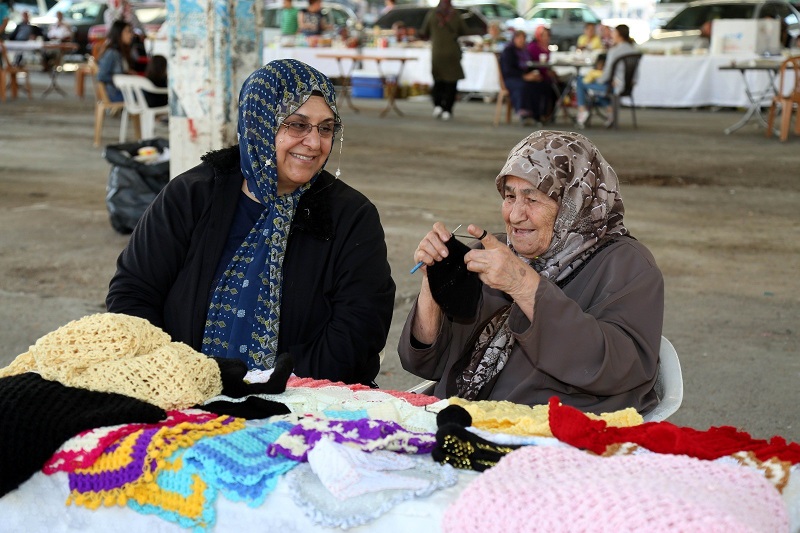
x=338, y=293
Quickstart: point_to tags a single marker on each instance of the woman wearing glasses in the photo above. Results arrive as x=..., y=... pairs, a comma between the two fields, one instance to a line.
x=259, y=251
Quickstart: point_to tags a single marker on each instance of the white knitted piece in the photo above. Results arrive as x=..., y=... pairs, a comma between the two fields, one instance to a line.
x=564, y=489
x=316, y=501
x=347, y=472
x=378, y=405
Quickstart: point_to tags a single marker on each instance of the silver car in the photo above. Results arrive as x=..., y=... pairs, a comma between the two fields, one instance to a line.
x=566, y=21
x=336, y=16
x=683, y=30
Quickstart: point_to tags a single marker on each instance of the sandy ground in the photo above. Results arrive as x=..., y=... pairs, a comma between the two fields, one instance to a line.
x=720, y=214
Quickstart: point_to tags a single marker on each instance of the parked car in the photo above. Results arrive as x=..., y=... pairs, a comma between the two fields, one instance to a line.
x=664, y=11
x=565, y=20
x=499, y=12
x=414, y=16
x=336, y=16
x=684, y=28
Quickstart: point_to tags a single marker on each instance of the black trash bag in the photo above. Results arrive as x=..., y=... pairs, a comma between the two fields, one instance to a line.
x=133, y=185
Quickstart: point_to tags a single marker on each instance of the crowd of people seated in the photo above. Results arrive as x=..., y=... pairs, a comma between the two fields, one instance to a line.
x=534, y=87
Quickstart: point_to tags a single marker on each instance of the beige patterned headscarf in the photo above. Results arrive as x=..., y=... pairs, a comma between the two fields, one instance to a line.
x=567, y=167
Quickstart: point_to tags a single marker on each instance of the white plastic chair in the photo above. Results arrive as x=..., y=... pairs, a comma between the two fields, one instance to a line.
x=132, y=88
x=669, y=384
x=668, y=387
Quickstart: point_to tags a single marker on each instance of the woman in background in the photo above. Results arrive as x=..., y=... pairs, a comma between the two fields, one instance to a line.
x=443, y=25
x=157, y=73
x=116, y=58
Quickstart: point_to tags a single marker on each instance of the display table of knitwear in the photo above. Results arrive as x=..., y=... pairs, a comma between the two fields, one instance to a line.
x=109, y=352
x=377, y=404
x=517, y=419
x=369, y=486
x=564, y=489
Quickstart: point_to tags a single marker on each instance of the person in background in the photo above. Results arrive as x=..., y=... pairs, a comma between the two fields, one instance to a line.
x=310, y=20
x=5, y=11
x=156, y=72
x=59, y=32
x=606, y=36
x=116, y=58
x=258, y=251
x=703, y=41
x=519, y=78
x=288, y=18
x=590, y=40
x=443, y=26
x=400, y=33
x=388, y=5
x=543, y=89
x=25, y=31
x=623, y=45
x=494, y=40
x=567, y=303
x=597, y=70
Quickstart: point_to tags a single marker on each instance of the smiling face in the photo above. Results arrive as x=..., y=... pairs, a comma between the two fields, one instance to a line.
x=299, y=159
x=530, y=216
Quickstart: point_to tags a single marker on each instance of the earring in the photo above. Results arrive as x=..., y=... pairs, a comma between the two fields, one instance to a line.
x=339, y=163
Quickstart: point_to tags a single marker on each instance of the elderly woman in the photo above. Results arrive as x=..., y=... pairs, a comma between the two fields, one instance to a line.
x=543, y=93
x=568, y=304
x=520, y=79
x=259, y=251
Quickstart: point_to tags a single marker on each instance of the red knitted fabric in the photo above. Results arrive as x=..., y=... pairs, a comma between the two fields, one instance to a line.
x=571, y=426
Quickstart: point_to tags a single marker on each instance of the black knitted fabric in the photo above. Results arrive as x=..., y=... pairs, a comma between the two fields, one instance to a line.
x=233, y=385
x=453, y=287
x=37, y=416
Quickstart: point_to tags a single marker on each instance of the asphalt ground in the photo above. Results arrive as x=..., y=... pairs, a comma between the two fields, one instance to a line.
x=719, y=212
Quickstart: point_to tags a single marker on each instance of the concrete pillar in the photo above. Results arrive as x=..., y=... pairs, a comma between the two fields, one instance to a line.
x=213, y=46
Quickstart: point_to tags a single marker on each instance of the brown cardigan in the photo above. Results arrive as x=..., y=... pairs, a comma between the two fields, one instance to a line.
x=593, y=343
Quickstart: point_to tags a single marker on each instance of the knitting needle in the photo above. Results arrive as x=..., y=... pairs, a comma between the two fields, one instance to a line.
x=419, y=265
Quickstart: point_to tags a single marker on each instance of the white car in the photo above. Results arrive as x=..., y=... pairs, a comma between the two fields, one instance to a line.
x=336, y=16
x=565, y=20
x=683, y=30
x=664, y=11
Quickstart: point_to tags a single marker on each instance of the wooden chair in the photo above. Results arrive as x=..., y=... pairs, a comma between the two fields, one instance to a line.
x=787, y=101
x=8, y=76
x=101, y=106
x=503, y=97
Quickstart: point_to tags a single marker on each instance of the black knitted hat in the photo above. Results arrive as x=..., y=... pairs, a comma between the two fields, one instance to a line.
x=454, y=288
x=37, y=416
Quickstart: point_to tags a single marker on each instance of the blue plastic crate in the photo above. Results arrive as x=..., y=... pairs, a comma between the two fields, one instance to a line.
x=367, y=87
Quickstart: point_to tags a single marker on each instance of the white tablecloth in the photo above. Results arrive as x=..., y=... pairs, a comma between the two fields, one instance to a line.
x=664, y=81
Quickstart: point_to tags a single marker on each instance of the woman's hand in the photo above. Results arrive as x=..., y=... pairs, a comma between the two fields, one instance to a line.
x=428, y=318
x=498, y=267
x=533, y=75
x=432, y=247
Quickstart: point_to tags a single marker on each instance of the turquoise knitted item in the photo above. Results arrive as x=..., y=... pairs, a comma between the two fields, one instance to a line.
x=237, y=464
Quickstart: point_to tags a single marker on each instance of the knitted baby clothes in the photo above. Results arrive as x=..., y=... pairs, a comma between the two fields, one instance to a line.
x=37, y=416
x=557, y=489
x=109, y=352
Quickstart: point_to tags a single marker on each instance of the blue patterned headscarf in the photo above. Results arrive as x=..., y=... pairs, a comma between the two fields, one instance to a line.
x=243, y=319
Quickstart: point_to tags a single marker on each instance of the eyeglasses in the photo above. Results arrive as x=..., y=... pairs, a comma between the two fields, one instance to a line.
x=301, y=129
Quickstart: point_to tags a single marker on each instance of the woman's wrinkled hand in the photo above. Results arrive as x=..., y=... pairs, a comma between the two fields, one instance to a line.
x=498, y=267
x=432, y=247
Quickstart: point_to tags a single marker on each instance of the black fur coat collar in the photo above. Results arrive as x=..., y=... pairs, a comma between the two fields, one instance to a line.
x=313, y=215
